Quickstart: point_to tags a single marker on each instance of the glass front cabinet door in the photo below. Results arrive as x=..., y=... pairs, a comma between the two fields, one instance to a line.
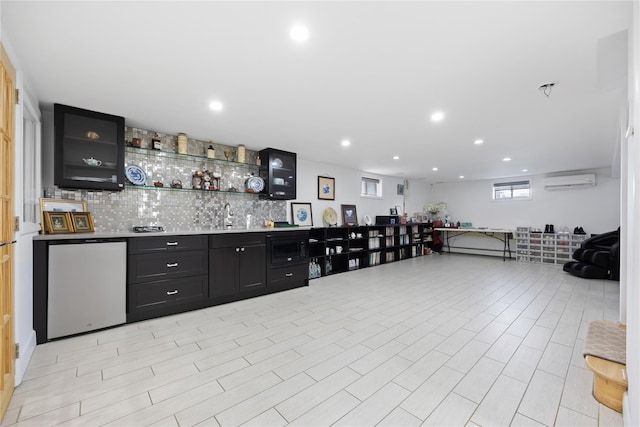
x=280, y=174
x=89, y=149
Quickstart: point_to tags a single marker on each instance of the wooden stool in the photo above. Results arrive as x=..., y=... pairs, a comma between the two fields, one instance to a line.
x=605, y=354
x=609, y=381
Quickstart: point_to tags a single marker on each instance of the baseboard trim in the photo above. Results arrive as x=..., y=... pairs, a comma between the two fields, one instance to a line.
x=26, y=351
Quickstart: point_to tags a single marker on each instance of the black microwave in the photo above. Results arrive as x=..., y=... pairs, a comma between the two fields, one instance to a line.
x=287, y=248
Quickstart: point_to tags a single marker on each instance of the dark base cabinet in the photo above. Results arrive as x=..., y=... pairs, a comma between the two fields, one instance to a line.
x=236, y=264
x=287, y=260
x=145, y=267
x=283, y=278
x=173, y=274
x=166, y=275
x=166, y=297
x=223, y=272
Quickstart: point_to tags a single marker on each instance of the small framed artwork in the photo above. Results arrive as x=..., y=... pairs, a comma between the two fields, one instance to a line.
x=400, y=189
x=58, y=222
x=59, y=205
x=82, y=222
x=349, y=215
x=326, y=188
x=301, y=214
x=393, y=211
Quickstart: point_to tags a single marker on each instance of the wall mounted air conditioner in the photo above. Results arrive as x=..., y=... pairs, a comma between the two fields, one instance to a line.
x=569, y=182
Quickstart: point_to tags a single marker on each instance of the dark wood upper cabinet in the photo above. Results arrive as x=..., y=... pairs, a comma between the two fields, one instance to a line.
x=279, y=174
x=89, y=149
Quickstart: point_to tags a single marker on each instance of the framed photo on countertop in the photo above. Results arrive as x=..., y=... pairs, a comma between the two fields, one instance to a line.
x=82, y=222
x=59, y=205
x=301, y=214
x=58, y=222
x=349, y=215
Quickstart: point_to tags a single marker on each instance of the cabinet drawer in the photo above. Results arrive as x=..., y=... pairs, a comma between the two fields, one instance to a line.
x=237, y=239
x=166, y=244
x=162, y=293
x=287, y=276
x=155, y=266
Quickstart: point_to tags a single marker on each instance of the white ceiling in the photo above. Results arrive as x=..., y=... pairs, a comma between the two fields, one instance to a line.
x=372, y=72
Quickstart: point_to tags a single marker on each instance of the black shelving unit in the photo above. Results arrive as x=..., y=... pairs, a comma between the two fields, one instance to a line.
x=334, y=250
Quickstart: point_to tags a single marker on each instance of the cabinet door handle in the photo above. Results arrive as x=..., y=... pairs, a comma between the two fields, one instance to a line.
x=172, y=292
x=237, y=249
x=172, y=243
x=241, y=249
x=175, y=264
x=288, y=275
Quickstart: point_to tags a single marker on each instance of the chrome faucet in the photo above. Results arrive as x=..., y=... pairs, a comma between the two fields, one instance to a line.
x=228, y=215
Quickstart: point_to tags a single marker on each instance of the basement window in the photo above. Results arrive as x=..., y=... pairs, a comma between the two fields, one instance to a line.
x=371, y=187
x=515, y=190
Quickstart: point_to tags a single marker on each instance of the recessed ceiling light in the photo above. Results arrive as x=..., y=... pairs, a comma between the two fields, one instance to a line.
x=346, y=143
x=396, y=157
x=299, y=33
x=506, y=159
x=525, y=170
x=478, y=141
x=461, y=177
x=216, y=105
x=437, y=116
x=434, y=169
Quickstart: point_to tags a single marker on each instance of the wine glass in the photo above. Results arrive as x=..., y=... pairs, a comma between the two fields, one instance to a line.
x=227, y=153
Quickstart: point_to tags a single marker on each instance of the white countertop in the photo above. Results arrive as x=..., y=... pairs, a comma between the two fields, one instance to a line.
x=203, y=230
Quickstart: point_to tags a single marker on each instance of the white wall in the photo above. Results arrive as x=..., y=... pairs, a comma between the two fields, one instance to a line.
x=347, y=191
x=596, y=209
x=47, y=148
x=630, y=241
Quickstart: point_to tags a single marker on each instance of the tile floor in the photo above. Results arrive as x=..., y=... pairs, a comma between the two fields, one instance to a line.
x=438, y=340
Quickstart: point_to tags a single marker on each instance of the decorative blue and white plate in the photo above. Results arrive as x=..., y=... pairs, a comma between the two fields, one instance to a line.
x=136, y=175
x=302, y=214
x=255, y=183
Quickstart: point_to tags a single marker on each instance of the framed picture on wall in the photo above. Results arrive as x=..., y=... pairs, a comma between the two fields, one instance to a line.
x=349, y=215
x=326, y=188
x=301, y=214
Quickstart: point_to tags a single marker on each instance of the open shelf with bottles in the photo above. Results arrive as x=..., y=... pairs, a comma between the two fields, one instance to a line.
x=193, y=157
x=175, y=171
x=201, y=190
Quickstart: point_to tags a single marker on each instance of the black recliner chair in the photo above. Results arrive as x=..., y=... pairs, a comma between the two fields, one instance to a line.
x=597, y=258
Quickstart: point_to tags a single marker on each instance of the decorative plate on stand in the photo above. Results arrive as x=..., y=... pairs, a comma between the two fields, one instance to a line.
x=330, y=216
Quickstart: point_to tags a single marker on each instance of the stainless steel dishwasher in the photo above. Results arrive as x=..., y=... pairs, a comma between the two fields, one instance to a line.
x=87, y=285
